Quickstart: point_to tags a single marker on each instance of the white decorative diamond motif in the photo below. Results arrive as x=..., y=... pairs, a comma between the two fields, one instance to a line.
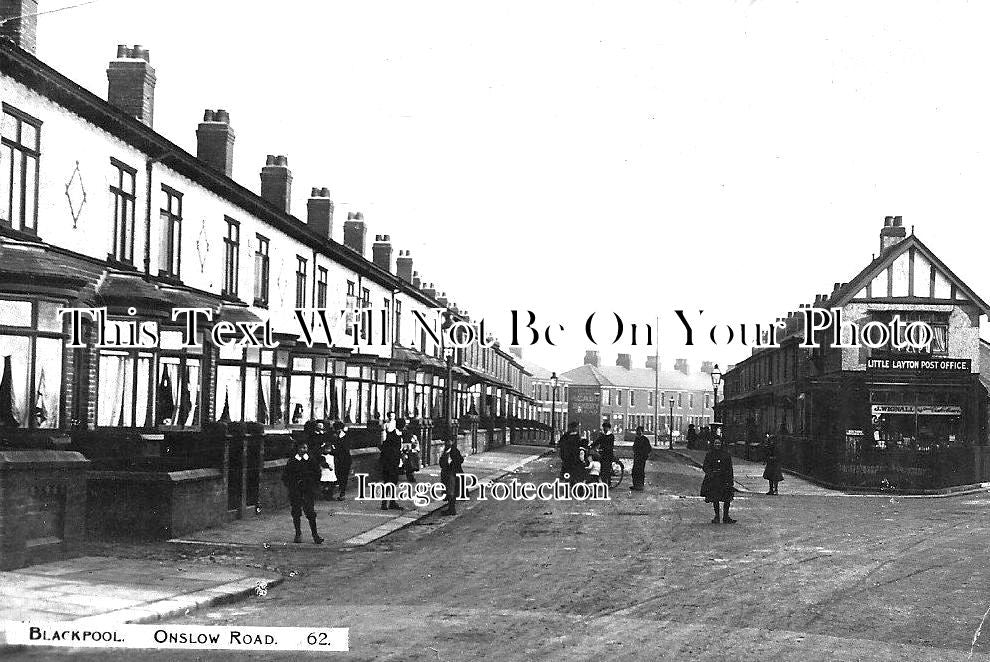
x=75, y=193
x=202, y=247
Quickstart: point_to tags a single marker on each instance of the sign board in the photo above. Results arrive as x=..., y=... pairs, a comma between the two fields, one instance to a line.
x=918, y=364
x=921, y=410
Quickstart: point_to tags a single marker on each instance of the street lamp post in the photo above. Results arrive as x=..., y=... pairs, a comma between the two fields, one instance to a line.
x=553, y=408
x=716, y=380
x=671, y=420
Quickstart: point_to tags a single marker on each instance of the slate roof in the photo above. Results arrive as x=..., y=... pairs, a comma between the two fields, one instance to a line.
x=637, y=378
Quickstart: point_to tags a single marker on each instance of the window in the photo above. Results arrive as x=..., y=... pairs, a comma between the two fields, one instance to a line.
x=122, y=190
x=300, y=282
x=351, y=304
x=171, y=218
x=691, y=400
x=177, y=391
x=252, y=385
x=632, y=398
x=321, y=287
x=365, y=305
x=261, y=270
x=398, y=321
x=618, y=398
x=19, y=155
x=30, y=364
x=708, y=400
x=231, y=257
x=680, y=399
x=649, y=399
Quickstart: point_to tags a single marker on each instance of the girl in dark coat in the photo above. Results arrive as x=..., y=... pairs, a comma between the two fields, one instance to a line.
x=772, y=472
x=718, y=485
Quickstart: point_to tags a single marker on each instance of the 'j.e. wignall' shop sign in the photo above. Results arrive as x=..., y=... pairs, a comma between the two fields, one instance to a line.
x=917, y=364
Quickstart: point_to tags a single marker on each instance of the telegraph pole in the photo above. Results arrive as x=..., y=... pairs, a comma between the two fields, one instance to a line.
x=656, y=387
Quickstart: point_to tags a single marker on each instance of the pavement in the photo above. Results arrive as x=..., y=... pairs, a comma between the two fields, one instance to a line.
x=351, y=523
x=749, y=476
x=101, y=588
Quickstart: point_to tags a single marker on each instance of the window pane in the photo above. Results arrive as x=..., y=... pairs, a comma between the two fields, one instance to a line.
x=48, y=317
x=15, y=366
x=15, y=313
x=302, y=404
x=251, y=394
x=228, y=395
x=48, y=378
x=30, y=192
x=115, y=389
x=29, y=136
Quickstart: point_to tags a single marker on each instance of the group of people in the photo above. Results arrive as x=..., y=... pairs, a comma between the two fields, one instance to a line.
x=577, y=460
x=399, y=455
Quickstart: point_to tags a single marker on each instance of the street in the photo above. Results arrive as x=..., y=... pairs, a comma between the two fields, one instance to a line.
x=645, y=576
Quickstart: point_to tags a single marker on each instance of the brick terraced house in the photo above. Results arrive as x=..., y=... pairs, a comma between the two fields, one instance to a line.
x=98, y=210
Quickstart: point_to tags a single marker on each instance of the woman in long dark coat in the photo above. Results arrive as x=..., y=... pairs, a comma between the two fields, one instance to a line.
x=718, y=485
x=772, y=472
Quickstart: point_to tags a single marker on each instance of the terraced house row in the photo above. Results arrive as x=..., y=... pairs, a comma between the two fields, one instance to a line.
x=98, y=210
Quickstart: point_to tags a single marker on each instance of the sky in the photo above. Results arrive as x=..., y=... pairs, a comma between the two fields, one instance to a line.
x=579, y=156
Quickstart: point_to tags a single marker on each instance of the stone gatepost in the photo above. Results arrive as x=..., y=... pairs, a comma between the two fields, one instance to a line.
x=42, y=505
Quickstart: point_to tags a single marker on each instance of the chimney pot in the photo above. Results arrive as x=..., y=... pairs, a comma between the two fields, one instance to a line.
x=123, y=51
x=215, y=141
x=355, y=232
x=319, y=212
x=131, y=83
x=276, y=182
x=404, y=266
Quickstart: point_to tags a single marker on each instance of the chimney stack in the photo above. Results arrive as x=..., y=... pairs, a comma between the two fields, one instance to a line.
x=416, y=282
x=681, y=366
x=132, y=83
x=429, y=290
x=516, y=352
x=651, y=362
x=442, y=299
x=591, y=358
x=381, y=252
x=276, y=182
x=354, y=232
x=22, y=31
x=403, y=266
x=624, y=361
x=215, y=141
x=319, y=212
x=707, y=367
x=892, y=233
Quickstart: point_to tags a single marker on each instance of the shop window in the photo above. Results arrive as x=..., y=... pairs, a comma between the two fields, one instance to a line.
x=30, y=365
x=20, y=153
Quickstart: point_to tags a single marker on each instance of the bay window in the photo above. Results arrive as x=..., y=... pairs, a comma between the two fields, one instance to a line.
x=30, y=364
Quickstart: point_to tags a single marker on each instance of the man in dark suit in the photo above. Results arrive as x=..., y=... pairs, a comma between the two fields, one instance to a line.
x=301, y=476
x=341, y=445
x=451, y=466
x=389, y=459
x=605, y=445
x=570, y=454
x=641, y=451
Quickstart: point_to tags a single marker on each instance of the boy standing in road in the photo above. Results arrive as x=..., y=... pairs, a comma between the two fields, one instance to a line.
x=301, y=476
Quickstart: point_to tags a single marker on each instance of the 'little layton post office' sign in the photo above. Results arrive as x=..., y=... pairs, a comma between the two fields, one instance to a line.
x=917, y=364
